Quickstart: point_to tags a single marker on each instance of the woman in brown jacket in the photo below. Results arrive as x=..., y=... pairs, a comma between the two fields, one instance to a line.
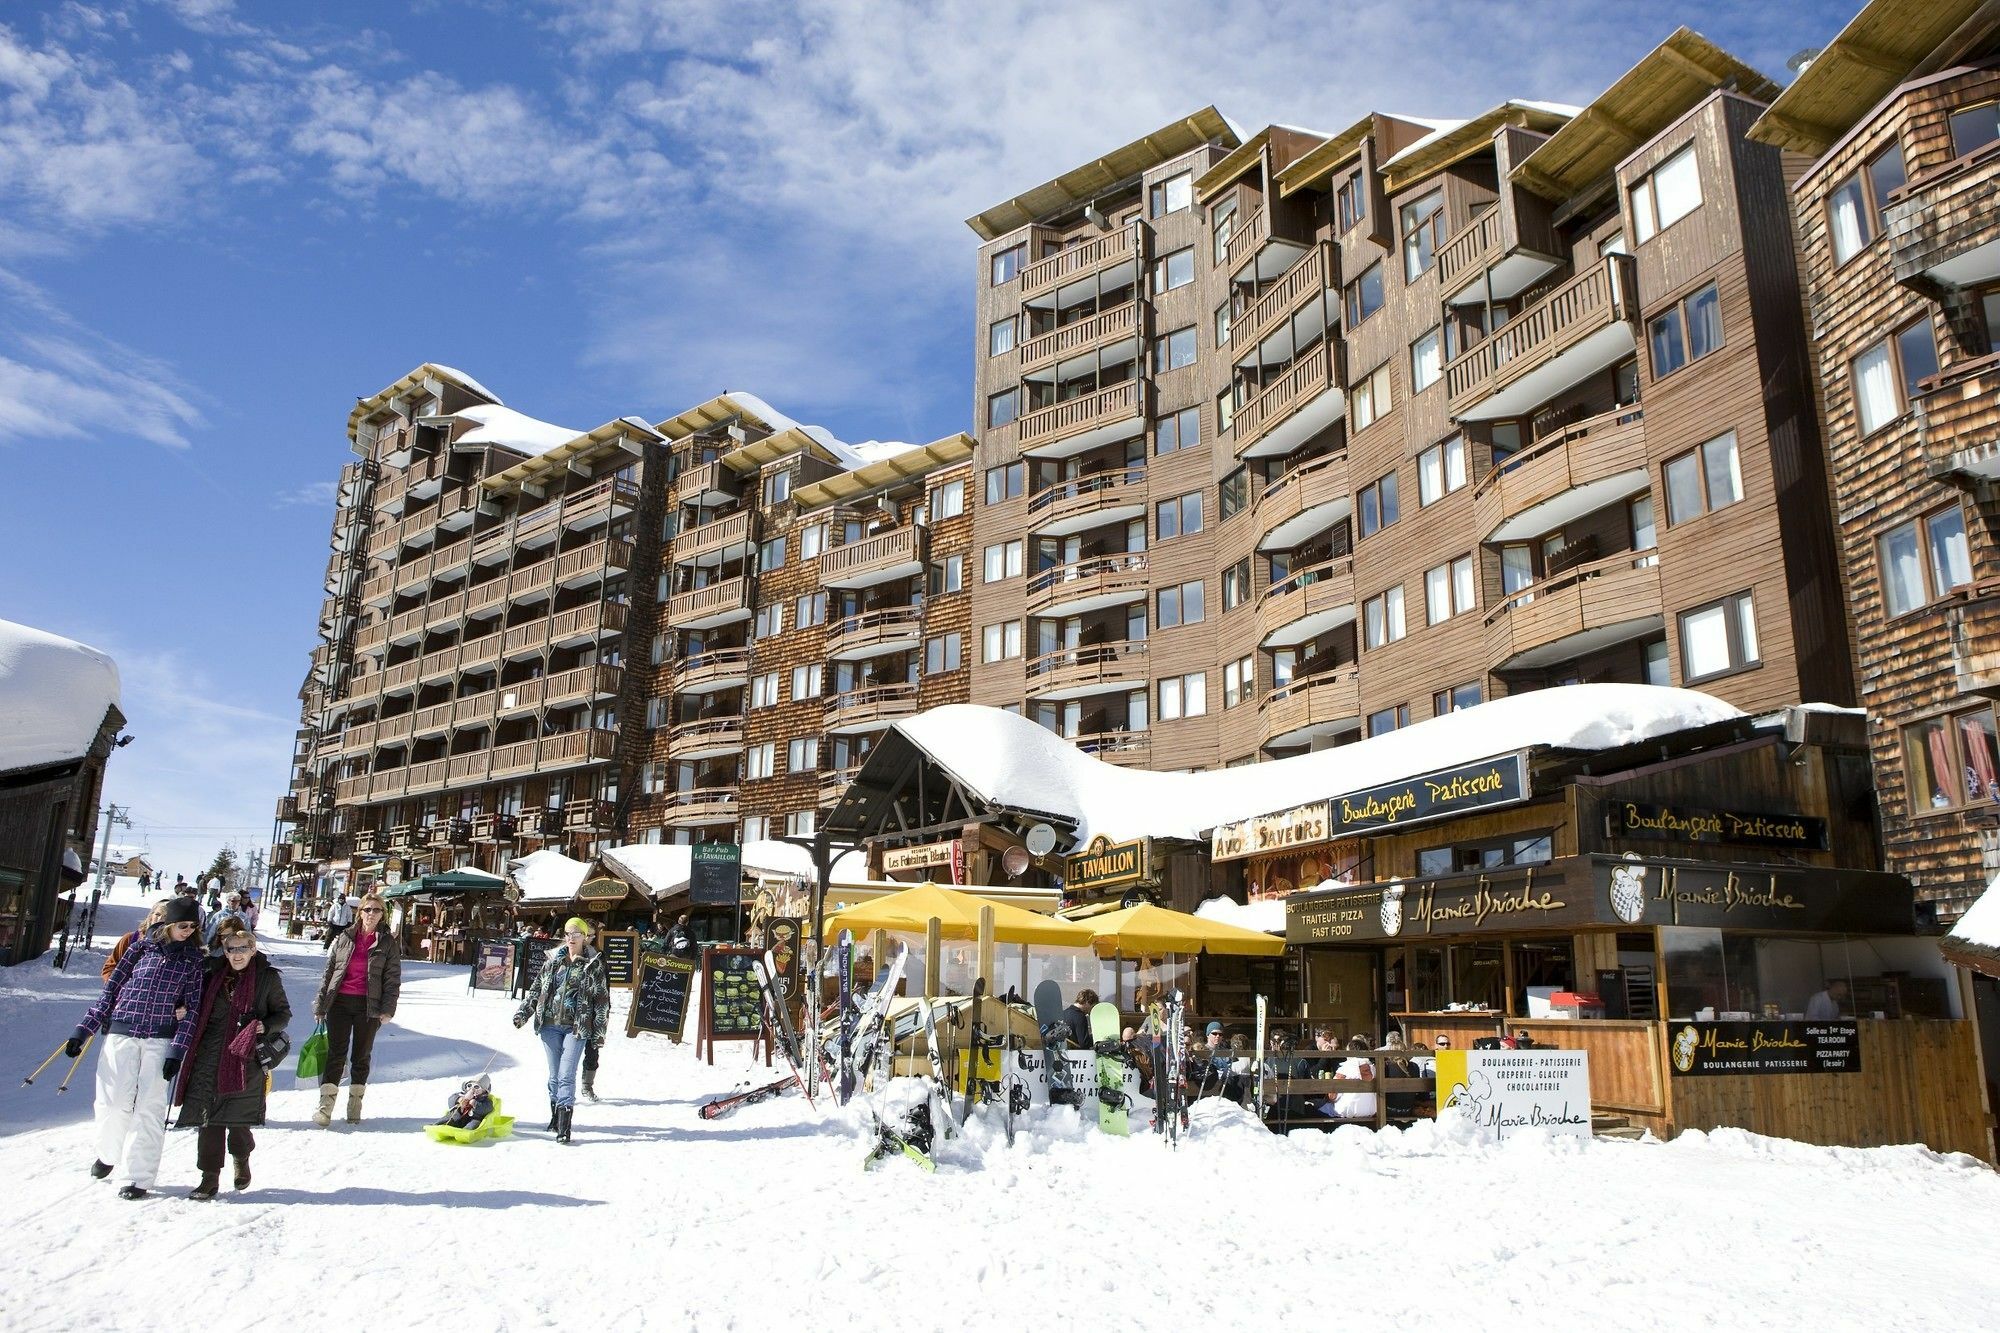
x=364, y=975
x=125, y=941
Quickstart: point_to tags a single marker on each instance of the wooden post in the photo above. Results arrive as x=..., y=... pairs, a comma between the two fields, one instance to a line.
x=1024, y=973
x=878, y=950
x=933, y=956
x=984, y=965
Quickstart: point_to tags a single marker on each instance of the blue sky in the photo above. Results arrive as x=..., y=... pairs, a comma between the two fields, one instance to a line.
x=220, y=222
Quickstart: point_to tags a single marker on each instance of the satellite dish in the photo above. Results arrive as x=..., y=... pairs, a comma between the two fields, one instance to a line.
x=1015, y=861
x=1041, y=840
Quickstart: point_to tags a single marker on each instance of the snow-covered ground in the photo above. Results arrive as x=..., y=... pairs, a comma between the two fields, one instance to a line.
x=654, y=1218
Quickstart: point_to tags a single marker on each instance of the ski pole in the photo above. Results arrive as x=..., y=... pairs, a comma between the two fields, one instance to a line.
x=46, y=1063
x=64, y=1085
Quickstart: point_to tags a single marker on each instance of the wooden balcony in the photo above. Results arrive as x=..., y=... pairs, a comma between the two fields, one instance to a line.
x=380, y=590
x=1247, y=237
x=1127, y=749
x=1089, y=585
x=1303, y=502
x=390, y=730
x=400, y=837
x=1308, y=280
x=372, y=638
x=493, y=828
x=1098, y=668
x=587, y=564
x=1561, y=477
x=1975, y=640
x=1306, y=708
x=358, y=738
x=717, y=541
x=288, y=809
x=433, y=720
x=717, y=604
x=532, y=583
x=363, y=841
x=1080, y=424
x=833, y=783
x=513, y=760
x=895, y=629
x=589, y=816
x=1509, y=247
x=480, y=652
x=870, y=708
x=407, y=626
x=1081, y=336
x=700, y=805
x=428, y=776
x=1959, y=422
x=1307, y=603
x=474, y=709
x=1087, y=259
x=1115, y=495
x=581, y=624
x=448, y=833
x=581, y=684
x=709, y=483
x=446, y=610
x=536, y=822
x=451, y=559
x=716, y=669
x=1585, y=326
x=526, y=639
x=590, y=746
x=706, y=738
x=1300, y=403
x=899, y=553
x=281, y=856
x=1944, y=232
x=1579, y=611
x=401, y=676
x=470, y=768
x=520, y=697
x=486, y=596
x=438, y=664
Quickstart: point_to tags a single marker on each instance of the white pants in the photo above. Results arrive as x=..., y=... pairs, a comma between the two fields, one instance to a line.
x=132, y=1100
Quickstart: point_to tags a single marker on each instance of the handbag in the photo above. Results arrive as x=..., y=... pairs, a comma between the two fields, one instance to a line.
x=312, y=1054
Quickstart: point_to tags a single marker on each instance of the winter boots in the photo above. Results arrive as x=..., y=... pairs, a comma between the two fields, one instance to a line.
x=563, y=1114
x=355, y=1092
x=327, y=1093
x=590, y=1084
x=132, y=1192
x=242, y=1180
x=99, y=1170
x=211, y=1181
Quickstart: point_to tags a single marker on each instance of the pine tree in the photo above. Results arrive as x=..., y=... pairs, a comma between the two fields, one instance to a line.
x=223, y=867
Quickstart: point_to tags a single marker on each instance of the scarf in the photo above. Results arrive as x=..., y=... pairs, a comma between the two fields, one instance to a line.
x=232, y=1071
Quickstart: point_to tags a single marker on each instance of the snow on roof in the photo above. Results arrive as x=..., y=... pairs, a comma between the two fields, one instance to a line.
x=54, y=693
x=1980, y=926
x=1440, y=128
x=850, y=456
x=503, y=426
x=467, y=381
x=547, y=876
x=663, y=868
x=1267, y=914
x=1014, y=762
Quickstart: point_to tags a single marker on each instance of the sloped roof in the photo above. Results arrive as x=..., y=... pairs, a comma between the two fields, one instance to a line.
x=1975, y=941
x=423, y=377
x=901, y=466
x=55, y=694
x=605, y=439
x=1461, y=139
x=1082, y=184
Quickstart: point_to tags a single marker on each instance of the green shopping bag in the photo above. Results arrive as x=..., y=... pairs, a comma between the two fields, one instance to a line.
x=312, y=1055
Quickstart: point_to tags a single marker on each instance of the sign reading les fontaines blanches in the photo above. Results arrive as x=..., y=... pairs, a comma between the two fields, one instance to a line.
x=1506, y=1092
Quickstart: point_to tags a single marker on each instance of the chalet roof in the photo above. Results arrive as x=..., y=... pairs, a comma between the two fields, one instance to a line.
x=1882, y=46
x=1665, y=85
x=1975, y=941
x=55, y=696
x=626, y=433
x=723, y=408
x=1455, y=141
x=1339, y=149
x=427, y=377
x=1082, y=184
x=913, y=462
x=1281, y=138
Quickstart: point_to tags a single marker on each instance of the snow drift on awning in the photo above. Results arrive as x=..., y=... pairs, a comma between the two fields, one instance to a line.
x=54, y=693
x=547, y=876
x=505, y=427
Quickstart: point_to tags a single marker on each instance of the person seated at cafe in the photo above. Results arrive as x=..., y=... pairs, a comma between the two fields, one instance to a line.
x=1830, y=1002
x=1353, y=1105
x=1139, y=1053
x=1397, y=1064
x=1241, y=1077
x=1077, y=1019
x=1208, y=1064
x=1284, y=1062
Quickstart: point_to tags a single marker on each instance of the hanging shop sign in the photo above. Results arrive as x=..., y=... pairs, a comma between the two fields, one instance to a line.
x=605, y=890
x=1695, y=824
x=1505, y=1092
x=1104, y=865
x=1793, y=1046
x=715, y=874
x=1298, y=827
x=921, y=857
x=1451, y=791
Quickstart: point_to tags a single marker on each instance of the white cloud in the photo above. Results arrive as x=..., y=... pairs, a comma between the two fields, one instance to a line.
x=315, y=494
x=58, y=381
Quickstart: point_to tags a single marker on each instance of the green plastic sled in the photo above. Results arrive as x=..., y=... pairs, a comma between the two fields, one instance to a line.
x=494, y=1126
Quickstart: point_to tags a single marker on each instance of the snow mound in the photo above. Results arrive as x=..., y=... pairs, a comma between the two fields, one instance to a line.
x=547, y=876
x=1267, y=915
x=1980, y=926
x=54, y=693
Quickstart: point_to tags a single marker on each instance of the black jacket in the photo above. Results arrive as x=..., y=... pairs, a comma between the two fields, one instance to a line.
x=199, y=1102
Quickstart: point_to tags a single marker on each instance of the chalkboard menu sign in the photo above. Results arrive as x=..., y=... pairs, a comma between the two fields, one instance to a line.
x=660, y=996
x=715, y=874
x=621, y=956
x=732, y=1004
x=529, y=955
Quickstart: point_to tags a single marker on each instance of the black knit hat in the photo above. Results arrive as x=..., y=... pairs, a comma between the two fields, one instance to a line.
x=181, y=909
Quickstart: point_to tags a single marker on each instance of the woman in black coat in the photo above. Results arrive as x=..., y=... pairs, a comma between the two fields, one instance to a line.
x=238, y=1035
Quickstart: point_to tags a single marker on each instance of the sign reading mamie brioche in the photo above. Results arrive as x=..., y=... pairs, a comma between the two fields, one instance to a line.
x=715, y=874
x=1789, y=1046
x=1505, y=1092
x=659, y=999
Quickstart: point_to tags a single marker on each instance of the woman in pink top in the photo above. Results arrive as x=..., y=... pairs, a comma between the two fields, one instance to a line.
x=364, y=975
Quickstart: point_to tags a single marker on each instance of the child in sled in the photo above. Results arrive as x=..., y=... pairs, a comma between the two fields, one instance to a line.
x=472, y=1103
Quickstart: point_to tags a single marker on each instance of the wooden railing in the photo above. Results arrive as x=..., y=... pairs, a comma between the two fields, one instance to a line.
x=1082, y=335
x=1310, y=376
x=481, y=651
x=1045, y=425
x=700, y=804
x=728, y=595
x=1959, y=421
x=1594, y=299
x=870, y=704
x=585, y=682
x=722, y=663
x=1107, y=573
x=484, y=596
x=891, y=624
x=1469, y=248
x=1095, y=490
x=515, y=758
x=578, y=747
x=1308, y=485
x=1311, y=276
x=1247, y=237
x=1116, y=747
x=1943, y=215
x=724, y=732
x=885, y=550
x=1591, y=450
x=1303, y=701
x=598, y=557
x=1119, y=660
x=1065, y=265
x=833, y=782
x=390, y=730
x=1617, y=589
x=718, y=535
x=399, y=675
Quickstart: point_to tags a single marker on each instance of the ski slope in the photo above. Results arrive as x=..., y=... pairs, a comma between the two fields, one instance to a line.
x=656, y=1219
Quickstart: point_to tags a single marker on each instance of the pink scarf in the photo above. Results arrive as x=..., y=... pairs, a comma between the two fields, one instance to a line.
x=232, y=1074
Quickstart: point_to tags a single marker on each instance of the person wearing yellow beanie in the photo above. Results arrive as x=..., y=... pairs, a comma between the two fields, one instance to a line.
x=571, y=1005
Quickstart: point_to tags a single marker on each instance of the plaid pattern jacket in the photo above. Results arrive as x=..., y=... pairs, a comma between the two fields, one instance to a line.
x=156, y=988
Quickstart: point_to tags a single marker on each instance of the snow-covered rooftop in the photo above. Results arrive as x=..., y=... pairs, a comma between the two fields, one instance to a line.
x=467, y=381
x=547, y=876
x=54, y=693
x=505, y=427
x=850, y=456
x=1980, y=926
x=663, y=868
x=1014, y=762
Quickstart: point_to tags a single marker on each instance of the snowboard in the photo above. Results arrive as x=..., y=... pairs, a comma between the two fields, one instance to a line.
x=912, y=1138
x=1258, y=1078
x=969, y=1057
x=1048, y=1004
x=1111, y=1063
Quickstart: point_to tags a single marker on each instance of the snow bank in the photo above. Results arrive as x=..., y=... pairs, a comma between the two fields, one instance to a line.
x=508, y=429
x=54, y=693
x=1012, y=761
x=547, y=876
x=1267, y=915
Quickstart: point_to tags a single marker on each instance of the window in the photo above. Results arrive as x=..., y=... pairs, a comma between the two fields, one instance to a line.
x=1007, y=264
x=756, y=828
x=1378, y=506
x=1184, y=696
x=812, y=541
x=1974, y=128
x=1350, y=202
x=1364, y=294
x=1236, y=584
x=657, y=712
x=760, y=761
x=1885, y=177
x=1175, y=270
x=652, y=778
x=808, y=680
x=1178, y=517
x=659, y=649
x=1002, y=641
x=1184, y=604
x=1455, y=698
x=1671, y=193
x=1170, y=195
x=770, y=620
x=1005, y=482
x=1887, y=375
x=1173, y=350
x=1426, y=361
x=1703, y=479
x=1225, y=320
x=1718, y=638
x=1656, y=669
x=1488, y=854
x=1002, y=408
x=1857, y=210
x=778, y=487
x=1953, y=761
x=1645, y=536
x=942, y=653
x=1232, y=494
x=1440, y=471
x=1003, y=561
x=1924, y=559
x=810, y=610
x=801, y=823
x=1225, y=408
x=1239, y=682
x=1000, y=337
x=802, y=755
x=1369, y=400
x=1388, y=720
x=1182, y=430
x=1448, y=591
x=1222, y=226
x=1687, y=332
x=1989, y=315
x=948, y=500
x=953, y=575
x=771, y=555
x=1382, y=618
x=1423, y=234
x=764, y=690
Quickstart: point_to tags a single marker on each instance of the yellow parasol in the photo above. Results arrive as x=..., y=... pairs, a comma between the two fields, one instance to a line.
x=958, y=917
x=1147, y=930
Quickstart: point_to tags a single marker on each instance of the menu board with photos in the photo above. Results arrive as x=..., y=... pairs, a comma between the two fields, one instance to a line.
x=732, y=1003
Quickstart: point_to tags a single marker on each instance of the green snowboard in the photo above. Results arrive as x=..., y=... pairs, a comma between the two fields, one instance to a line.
x=1111, y=1062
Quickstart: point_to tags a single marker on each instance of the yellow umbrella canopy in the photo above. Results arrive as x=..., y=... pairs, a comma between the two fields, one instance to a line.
x=958, y=915
x=1147, y=929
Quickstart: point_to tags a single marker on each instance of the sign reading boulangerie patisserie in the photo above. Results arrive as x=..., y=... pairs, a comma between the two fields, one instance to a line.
x=1683, y=823
x=1450, y=791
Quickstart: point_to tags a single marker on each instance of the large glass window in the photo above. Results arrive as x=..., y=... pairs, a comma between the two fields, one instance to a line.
x=1440, y=470
x=1007, y=264
x=1364, y=294
x=1171, y=195
x=1974, y=128
x=1180, y=430
x=1718, y=638
x=1173, y=350
x=1702, y=479
x=1669, y=194
x=1888, y=376
x=1687, y=332
x=1426, y=361
x=1000, y=337
x=1175, y=270
x=1924, y=559
x=1953, y=761
x=1423, y=233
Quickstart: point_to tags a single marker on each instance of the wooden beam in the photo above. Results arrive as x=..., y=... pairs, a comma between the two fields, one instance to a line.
x=1688, y=65
x=1596, y=112
x=1870, y=58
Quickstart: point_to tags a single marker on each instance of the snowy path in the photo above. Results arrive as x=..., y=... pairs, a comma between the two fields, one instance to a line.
x=656, y=1219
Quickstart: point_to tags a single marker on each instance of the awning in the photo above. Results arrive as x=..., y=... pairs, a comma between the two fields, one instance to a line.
x=461, y=881
x=958, y=915
x=1147, y=929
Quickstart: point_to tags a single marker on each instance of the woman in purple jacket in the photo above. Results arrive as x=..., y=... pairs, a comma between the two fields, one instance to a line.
x=147, y=1013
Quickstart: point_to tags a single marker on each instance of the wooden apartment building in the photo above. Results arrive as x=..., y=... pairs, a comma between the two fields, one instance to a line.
x=1295, y=439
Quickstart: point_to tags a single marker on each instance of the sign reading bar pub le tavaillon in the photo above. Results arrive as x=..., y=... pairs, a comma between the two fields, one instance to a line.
x=1105, y=864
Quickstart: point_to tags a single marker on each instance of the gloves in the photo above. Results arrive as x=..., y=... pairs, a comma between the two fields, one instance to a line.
x=73, y=1048
x=519, y=1019
x=171, y=1069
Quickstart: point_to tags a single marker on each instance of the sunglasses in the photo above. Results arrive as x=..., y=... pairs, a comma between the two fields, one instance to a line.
x=371, y=911
x=239, y=948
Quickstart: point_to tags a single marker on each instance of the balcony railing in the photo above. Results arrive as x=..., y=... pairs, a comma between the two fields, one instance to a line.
x=870, y=633
x=1596, y=301
x=870, y=707
x=1302, y=502
x=1127, y=749
x=288, y=809
x=473, y=709
x=708, y=736
x=513, y=759
x=434, y=719
x=531, y=582
x=713, y=538
x=379, y=589
x=1104, y=496
x=1944, y=232
x=595, y=621
x=400, y=676
x=1307, y=603
x=1325, y=702
x=590, y=816
x=1959, y=422
x=1468, y=251
x=1081, y=336
x=486, y=596
x=1247, y=237
x=1101, y=581
x=716, y=604
x=1303, y=383
x=371, y=638
x=588, y=746
x=429, y=775
x=393, y=729
x=1064, y=266
x=493, y=828
x=581, y=683
x=471, y=766
x=1098, y=668
x=597, y=559
x=358, y=737
x=483, y=651
x=700, y=805
x=1119, y=404
x=833, y=783
x=447, y=610
x=897, y=553
x=1306, y=280
x=710, y=478
x=718, y=668
x=1537, y=626
x=1587, y=465
x=1975, y=640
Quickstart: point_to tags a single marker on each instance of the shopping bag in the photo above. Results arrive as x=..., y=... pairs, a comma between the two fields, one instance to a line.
x=312, y=1055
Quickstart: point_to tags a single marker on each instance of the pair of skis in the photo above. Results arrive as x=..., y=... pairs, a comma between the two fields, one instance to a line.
x=783, y=1036
x=914, y=1132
